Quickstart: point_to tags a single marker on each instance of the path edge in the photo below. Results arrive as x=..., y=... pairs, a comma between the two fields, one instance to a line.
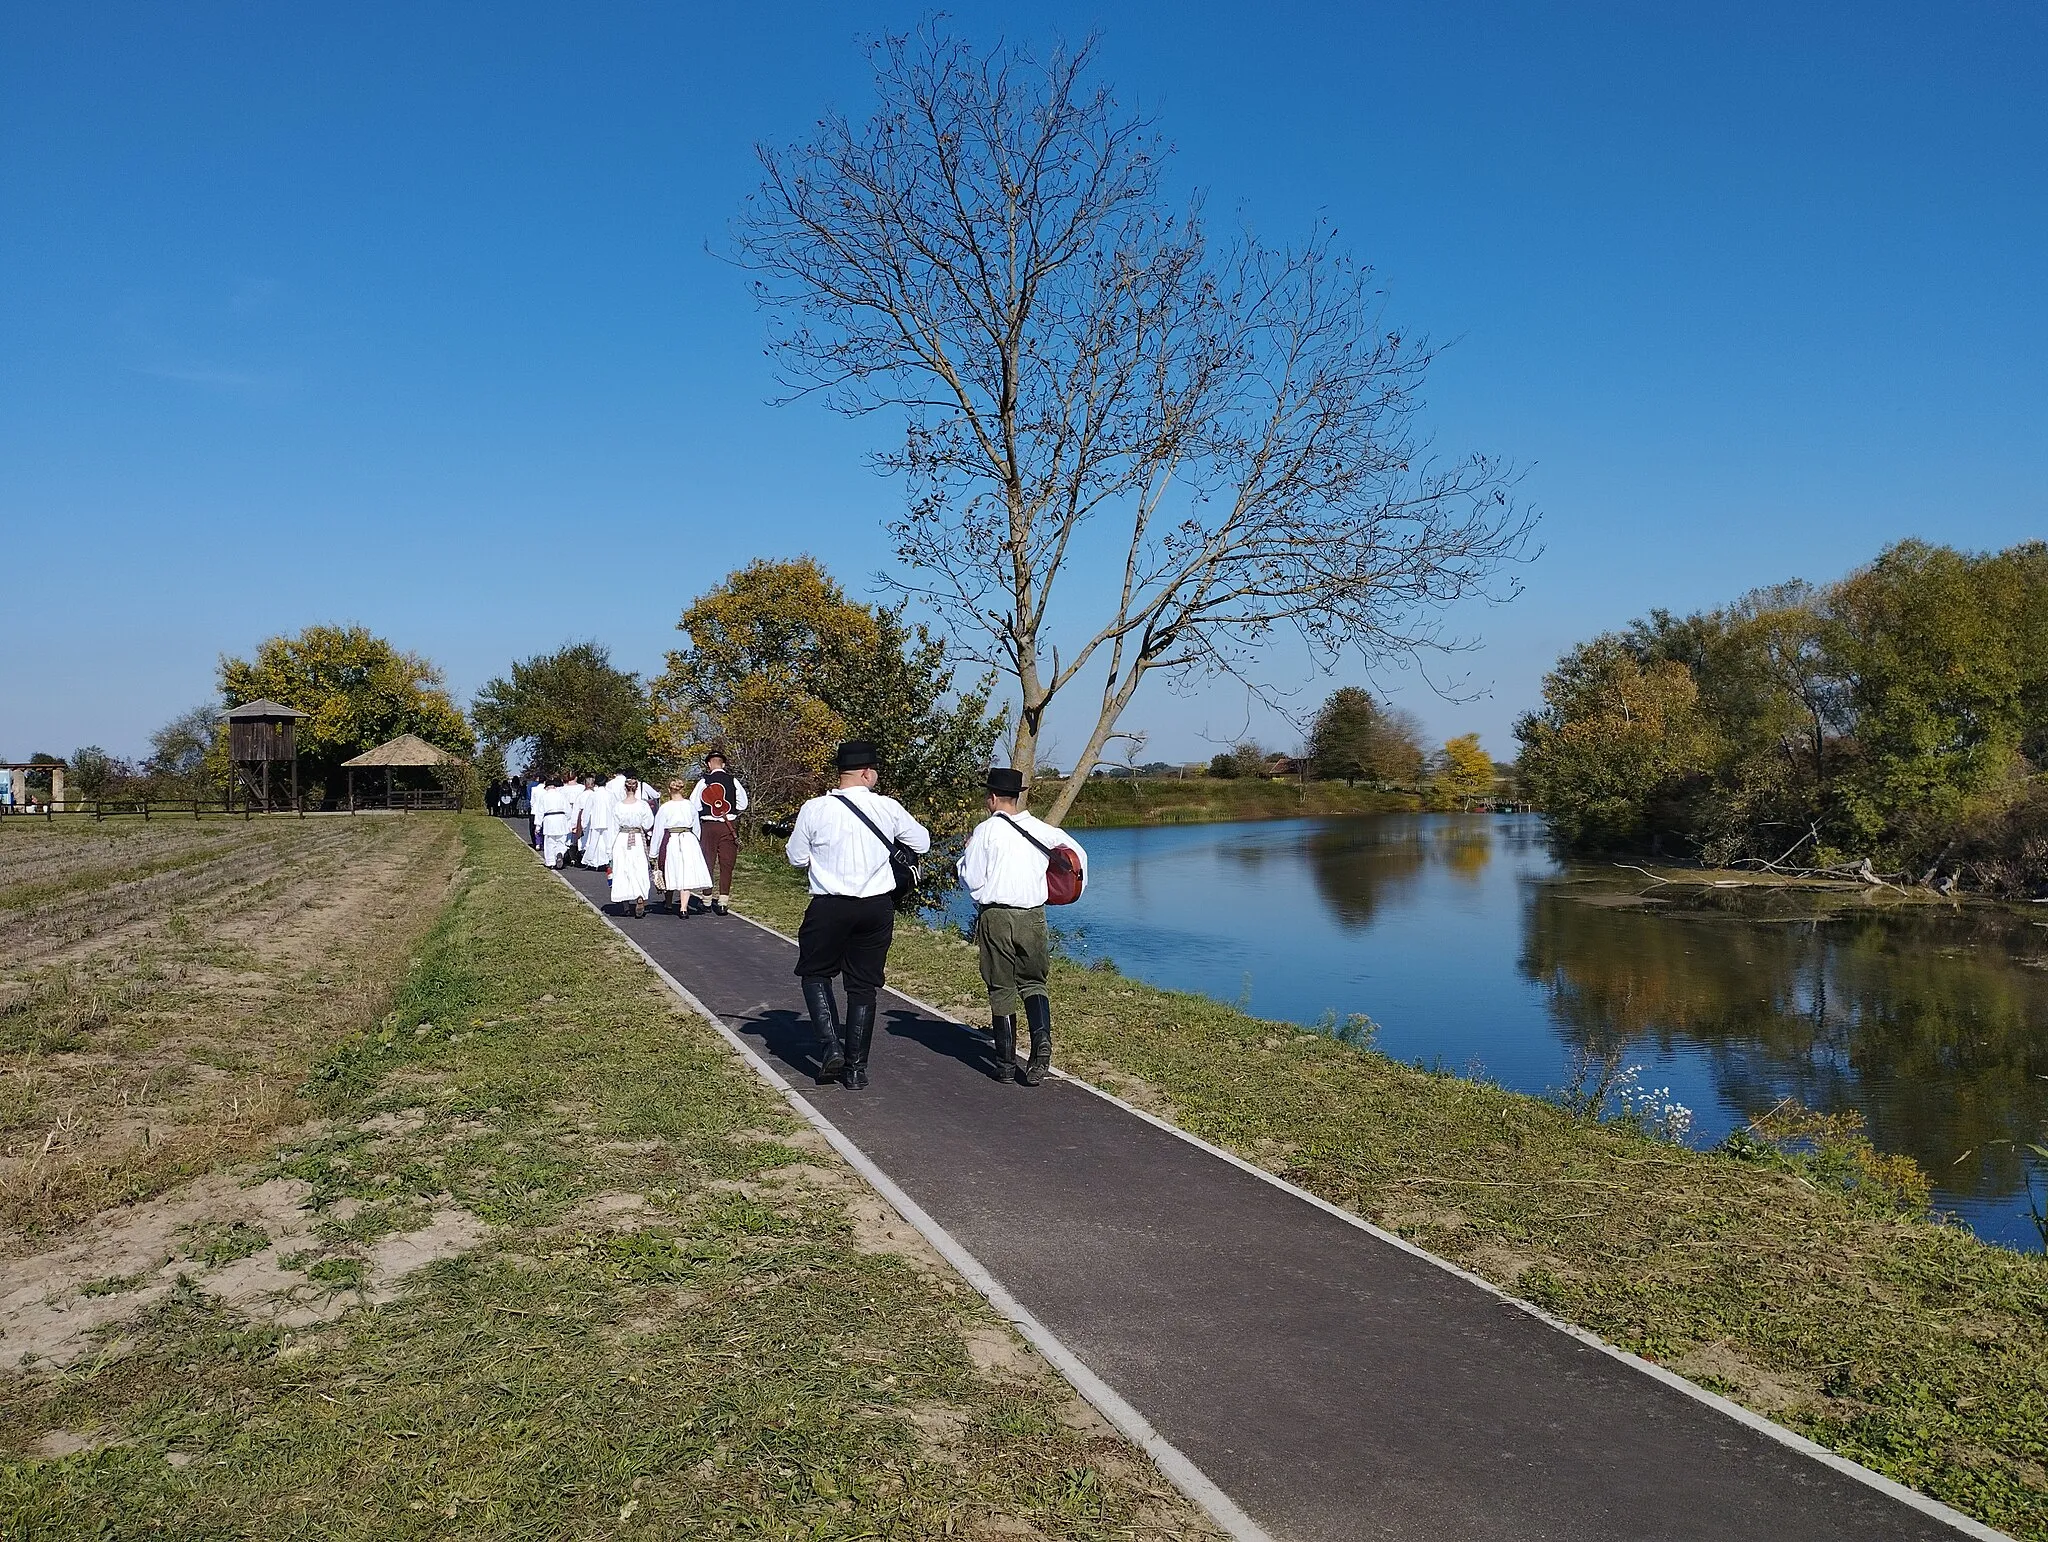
x=1178, y=1469
x=1891, y=1488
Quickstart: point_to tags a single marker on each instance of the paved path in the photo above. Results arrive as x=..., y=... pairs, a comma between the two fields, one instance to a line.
x=1331, y=1384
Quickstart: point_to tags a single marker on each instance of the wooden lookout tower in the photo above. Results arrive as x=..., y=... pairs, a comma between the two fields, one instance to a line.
x=262, y=734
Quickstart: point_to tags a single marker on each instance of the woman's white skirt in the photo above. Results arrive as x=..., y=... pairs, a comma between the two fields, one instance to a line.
x=629, y=871
x=682, y=865
x=597, y=845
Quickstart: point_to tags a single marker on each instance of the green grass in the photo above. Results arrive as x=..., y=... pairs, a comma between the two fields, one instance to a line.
x=1794, y=1281
x=1104, y=802
x=675, y=1326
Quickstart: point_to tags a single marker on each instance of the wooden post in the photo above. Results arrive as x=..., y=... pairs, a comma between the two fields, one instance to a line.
x=387, y=788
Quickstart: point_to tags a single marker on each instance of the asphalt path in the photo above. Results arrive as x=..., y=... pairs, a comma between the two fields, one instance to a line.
x=1333, y=1385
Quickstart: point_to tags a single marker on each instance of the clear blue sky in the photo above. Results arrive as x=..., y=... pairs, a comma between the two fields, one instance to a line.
x=402, y=314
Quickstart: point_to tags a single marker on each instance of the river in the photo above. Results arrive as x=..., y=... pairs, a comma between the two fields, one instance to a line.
x=1477, y=951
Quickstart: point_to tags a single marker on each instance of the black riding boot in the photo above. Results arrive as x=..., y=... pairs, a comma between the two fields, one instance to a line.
x=860, y=1033
x=1005, y=1029
x=1038, y=1013
x=825, y=1018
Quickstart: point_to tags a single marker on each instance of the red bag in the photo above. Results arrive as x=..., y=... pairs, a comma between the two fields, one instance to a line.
x=1064, y=875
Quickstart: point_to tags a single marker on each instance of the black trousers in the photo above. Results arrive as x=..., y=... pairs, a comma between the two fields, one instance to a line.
x=847, y=936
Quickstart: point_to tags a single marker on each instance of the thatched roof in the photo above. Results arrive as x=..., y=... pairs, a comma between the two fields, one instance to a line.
x=405, y=750
x=250, y=709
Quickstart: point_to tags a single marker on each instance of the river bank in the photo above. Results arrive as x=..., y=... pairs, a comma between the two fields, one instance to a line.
x=1752, y=1270
x=1117, y=802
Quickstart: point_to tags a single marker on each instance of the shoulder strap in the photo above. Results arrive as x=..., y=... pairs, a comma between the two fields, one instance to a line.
x=1006, y=819
x=853, y=808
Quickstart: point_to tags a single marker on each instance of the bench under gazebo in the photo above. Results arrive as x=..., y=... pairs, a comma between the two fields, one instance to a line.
x=408, y=752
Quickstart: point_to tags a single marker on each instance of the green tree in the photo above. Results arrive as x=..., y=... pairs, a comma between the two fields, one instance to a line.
x=1223, y=765
x=1614, y=743
x=95, y=773
x=357, y=691
x=572, y=710
x=187, y=754
x=1355, y=736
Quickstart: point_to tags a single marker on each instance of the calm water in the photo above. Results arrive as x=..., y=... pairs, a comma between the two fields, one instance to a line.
x=1476, y=950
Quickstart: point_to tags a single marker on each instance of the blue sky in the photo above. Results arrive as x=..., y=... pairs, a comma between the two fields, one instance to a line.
x=403, y=314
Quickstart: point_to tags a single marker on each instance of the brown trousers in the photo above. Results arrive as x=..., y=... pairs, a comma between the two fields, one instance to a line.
x=721, y=845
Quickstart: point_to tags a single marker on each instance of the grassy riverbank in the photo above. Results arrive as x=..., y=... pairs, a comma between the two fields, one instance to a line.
x=528, y=1254
x=1106, y=802
x=1804, y=1285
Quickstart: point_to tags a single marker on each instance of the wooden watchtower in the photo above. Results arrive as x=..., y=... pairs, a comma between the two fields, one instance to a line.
x=262, y=734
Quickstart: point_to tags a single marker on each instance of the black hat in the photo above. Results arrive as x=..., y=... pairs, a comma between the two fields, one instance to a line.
x=711, y=755
x=856, y=755
x=1005, y=781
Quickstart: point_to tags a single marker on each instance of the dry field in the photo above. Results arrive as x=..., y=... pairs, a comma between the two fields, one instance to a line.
x=164, y=985
x=362, y=1186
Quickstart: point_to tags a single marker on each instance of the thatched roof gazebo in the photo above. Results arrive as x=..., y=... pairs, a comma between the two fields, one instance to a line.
x=408, y=752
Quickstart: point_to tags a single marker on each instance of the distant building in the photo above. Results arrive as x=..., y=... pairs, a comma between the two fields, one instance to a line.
x=1280, y=767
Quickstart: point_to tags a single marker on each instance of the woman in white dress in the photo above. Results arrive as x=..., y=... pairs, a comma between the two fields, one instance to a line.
x=679, y=859
x=597, y=824
x=632, y=823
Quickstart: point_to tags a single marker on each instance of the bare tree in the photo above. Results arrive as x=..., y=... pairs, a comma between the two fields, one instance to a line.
x=1226, y=434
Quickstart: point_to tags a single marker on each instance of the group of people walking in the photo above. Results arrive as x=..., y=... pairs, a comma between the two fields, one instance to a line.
x=850, y=841
x=846, y=841
x=683, y=845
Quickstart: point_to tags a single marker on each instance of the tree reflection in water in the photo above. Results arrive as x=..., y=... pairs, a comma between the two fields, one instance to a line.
x=1360, y=864
x=1932, y=1023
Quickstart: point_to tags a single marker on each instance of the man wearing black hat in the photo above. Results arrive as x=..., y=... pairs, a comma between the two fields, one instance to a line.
x=843, y=839
x=1004, y=868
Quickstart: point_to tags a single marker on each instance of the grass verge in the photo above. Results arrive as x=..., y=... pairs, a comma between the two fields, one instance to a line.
x=672, y=1311
x=1788, y=1276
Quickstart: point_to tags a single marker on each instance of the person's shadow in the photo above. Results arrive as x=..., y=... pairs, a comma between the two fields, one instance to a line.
x=787, y=1037
x=953, y=1040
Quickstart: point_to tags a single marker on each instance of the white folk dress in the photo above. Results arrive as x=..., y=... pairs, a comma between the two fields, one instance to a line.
x=631, y=878
x=557, y=820
x=681, y=859
x=598, y=814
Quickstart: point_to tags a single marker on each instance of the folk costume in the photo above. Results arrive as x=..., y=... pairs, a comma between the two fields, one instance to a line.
x=599, y=812
x=843, y=842
x=632, y=875
x=557, y=822
x=534, y=792
x=679, y=859
x=1004, y=871
x=719, y=800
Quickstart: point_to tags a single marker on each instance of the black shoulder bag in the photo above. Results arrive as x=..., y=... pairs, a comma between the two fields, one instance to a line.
x=905, y=865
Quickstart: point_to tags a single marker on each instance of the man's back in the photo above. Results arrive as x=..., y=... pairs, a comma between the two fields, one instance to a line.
x=843, y=855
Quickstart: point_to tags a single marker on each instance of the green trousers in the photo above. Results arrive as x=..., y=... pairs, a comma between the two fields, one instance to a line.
x=1013, y=956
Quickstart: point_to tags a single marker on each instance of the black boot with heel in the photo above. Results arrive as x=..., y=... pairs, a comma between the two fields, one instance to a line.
x=860, y=1033
x=1038, y=1013
x=1005, y=1031
x=825, y=1019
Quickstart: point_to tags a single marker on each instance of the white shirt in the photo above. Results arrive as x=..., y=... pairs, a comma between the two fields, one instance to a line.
x=557, y=813
x=1000, y=867
x=841, y=853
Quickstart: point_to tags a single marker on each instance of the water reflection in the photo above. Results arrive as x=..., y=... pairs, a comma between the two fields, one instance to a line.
x=1359, y=865
x=1470, y=943
x=1923, y=1021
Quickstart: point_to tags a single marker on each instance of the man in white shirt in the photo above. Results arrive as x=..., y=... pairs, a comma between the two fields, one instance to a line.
x=557, y=820
x=1004, y=868
x=843, y=840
